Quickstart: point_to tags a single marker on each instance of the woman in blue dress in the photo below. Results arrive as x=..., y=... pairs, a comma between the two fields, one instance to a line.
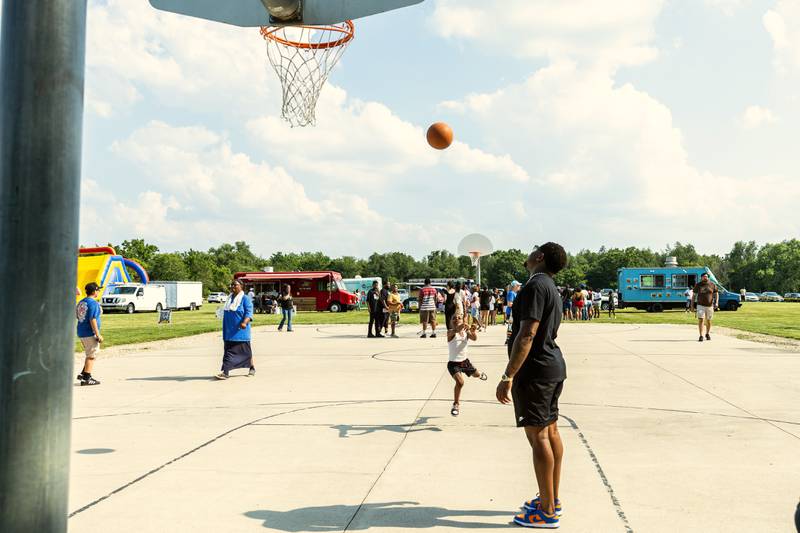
x=238, y=314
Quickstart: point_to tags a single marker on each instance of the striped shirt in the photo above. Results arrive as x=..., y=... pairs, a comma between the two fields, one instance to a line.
x=427, y=299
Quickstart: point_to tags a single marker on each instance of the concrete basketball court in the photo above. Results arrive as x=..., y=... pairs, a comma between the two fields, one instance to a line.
x=342, y=433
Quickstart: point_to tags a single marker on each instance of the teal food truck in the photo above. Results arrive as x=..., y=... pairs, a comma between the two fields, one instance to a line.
x=656, y=289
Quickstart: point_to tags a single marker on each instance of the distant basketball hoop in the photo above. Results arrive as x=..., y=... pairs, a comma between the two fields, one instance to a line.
x=476, y=246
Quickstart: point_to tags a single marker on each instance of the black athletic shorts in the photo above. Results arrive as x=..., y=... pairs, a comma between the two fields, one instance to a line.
x=465, y=367
x=536, y=403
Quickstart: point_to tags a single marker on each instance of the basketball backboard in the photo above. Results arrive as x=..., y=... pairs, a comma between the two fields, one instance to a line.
x=476, y=246
x=254, y=13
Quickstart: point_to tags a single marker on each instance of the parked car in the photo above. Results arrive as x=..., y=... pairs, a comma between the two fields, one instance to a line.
x=604, y=300
x=771, y=297
x=134, y=297
x=216, y=297
x=411, y=305
x=792, y=297
x=751, y=297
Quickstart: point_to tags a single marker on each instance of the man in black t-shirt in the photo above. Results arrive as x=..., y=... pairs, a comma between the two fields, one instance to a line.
x=485, y=298
x=384, y=308
x=535, y=378
x=375, y=310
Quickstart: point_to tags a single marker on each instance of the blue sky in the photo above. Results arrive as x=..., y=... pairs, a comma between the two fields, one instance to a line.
x=638, y=122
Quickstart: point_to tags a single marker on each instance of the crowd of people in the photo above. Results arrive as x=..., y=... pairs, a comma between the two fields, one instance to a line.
x=585, y=303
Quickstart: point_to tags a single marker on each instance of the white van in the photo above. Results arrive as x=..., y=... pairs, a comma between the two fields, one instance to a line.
x=134, y=297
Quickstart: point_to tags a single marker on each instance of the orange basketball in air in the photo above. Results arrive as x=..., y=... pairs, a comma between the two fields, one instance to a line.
x=440, y=136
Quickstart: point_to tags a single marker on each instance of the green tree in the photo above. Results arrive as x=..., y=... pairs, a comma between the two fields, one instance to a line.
x=502, y=267
x=168, y=267
x=138, y=250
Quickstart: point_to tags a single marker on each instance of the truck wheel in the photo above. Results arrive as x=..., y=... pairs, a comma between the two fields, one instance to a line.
x=158, y=308
x=732, y=306
x=658, y=308
x=192, y=307
x=335, y=307
x=604, y=306
x=130, y=309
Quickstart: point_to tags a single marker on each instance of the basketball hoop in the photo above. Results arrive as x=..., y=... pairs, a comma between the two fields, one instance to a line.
x=475, y=258
x=303, y=57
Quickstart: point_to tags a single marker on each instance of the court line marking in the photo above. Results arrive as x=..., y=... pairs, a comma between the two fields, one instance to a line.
x=603, y=478
x=695, y=385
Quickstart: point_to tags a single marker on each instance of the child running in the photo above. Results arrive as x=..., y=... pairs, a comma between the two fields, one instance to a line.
x=458, y=338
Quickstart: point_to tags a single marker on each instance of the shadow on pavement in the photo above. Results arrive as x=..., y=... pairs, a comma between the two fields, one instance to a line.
x=404, y=515
x=345, y=430
x=173, y=378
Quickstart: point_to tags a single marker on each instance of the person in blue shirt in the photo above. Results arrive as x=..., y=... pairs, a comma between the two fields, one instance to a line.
x=238, y=314
x=88, y=313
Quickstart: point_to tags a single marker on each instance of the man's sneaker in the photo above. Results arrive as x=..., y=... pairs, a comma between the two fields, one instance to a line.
x=222, y=376
x=252, y=373
x=370, y=336
x=395, y=336
x=379, y=336
x=533, y=504
x=433, y=335
x=700, y=339
x=708, y=336
x=537, y=519
x=81, y=377
x=454, y=410
x=89, y=380
x=423, y=336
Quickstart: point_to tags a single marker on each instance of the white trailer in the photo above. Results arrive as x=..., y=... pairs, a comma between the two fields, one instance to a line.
x=183, y=294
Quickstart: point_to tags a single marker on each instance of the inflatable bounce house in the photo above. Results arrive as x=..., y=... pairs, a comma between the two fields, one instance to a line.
x=105, y=267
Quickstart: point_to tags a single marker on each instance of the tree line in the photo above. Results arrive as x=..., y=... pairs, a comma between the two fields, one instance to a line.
x=772, y=266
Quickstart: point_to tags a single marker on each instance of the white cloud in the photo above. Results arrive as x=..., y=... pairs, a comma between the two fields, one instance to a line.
x=618, y=33
x=365, y=143
x=755, y=116
x=616, y=150
x=728, y=7
x=783, y=24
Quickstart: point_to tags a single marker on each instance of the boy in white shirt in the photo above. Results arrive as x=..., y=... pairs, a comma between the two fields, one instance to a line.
x=459, y=366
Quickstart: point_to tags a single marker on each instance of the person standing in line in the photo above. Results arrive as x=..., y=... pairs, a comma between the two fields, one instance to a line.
x=577, y=304
x=597, y=302
x=499, y=305
x=449, y=304
x=612, y=304
x=458, y=364
x=475, y=306
x=252, y=294
x=484, y=299
x=511, y=294
x=89, y=314
x=427, y=309
x=706, y=294
x=493, y=308
x=689, y=295
x=395, y=306
x=286, y=302
x=458, y=303
x=587, y=303
x=384, y=301
x=375, y=311
x=566, y=299
x=238, y=314
x=535, y=377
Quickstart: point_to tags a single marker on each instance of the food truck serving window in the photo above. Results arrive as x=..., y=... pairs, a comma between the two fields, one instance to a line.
x=651, y=281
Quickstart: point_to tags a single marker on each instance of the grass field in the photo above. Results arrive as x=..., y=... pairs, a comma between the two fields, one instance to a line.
x=779, y=319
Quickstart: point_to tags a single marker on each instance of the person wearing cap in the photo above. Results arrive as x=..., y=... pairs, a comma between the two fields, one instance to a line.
x=88, y=313
x=512, y=293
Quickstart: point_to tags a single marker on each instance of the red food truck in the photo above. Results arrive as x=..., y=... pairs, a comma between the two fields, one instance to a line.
x=312, y=291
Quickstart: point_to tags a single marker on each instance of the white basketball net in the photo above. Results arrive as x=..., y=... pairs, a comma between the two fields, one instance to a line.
x=303, y=57
x=475, y=257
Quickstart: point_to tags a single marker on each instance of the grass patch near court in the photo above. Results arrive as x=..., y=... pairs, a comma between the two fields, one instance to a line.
x=119, y=329
x=778, y=319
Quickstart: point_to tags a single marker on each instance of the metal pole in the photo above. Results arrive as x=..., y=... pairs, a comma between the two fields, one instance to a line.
x=42, y=56
x=478, y=268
